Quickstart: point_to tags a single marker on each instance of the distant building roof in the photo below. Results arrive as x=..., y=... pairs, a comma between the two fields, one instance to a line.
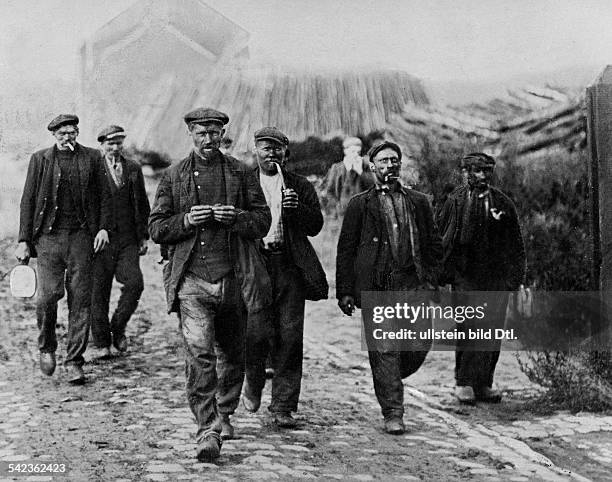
x=198, y=26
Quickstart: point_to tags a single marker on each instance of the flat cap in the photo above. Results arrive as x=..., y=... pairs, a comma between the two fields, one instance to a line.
x=376, y=148
x=272, y=134
x=111, y=132
x=63, y=120
x=206, y=114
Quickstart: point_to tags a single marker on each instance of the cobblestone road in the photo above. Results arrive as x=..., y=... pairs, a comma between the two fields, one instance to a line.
x=131, y=421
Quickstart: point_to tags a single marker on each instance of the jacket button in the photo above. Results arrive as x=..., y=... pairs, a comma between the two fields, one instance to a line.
x=375, y=239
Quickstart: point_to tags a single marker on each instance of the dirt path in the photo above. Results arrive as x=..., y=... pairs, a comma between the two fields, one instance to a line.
x=131, y=421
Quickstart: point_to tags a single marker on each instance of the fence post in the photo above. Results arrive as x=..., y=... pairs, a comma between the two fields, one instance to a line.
x=599, y=134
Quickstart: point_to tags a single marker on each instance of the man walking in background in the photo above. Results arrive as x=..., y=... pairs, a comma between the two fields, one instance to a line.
x=65, y=218
x=388, y=242
x=347, y=177
x=127, y=243
x=209, y=209
x=483, y=251
x=296, y=275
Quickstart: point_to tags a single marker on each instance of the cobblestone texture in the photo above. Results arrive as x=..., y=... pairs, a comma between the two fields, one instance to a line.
x=131, y=421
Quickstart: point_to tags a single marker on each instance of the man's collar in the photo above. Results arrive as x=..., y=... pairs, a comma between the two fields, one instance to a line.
x=112, y=160
x=480, y=193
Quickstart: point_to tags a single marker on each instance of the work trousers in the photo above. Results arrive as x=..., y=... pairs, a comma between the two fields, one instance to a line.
x=64, y=260
x=475, y=361
x=119, y=260
x=278, y=329
x=390, y=367
x=213, y=326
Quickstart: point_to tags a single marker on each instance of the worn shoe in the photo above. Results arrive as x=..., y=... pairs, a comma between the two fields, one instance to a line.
x=465, y=394
x=285, y=420
x=74, y=374
x=47, y=363
x=250, y=401
x=99, y=353
x=209, y=448
x=227, y=429
x=394, y=426
x=120, y=343
x=488, y=394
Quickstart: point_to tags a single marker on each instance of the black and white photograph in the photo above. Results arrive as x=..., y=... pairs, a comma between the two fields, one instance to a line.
x=305, y=239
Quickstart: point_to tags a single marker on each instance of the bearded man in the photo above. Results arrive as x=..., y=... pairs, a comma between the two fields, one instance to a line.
x=483, y=252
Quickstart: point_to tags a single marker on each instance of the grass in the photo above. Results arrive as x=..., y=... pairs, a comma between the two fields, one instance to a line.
x=12, y=178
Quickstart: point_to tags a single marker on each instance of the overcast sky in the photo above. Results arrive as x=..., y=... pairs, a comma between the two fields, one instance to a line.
x=439, y=40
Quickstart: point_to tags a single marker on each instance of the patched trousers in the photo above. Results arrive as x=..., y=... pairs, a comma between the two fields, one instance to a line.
x=213, y=325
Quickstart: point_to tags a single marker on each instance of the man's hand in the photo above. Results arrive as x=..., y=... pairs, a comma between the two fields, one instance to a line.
x=22, y=253
x=199, y=215
x=100, y=241
x=143, y=248
x=290, y=199
x=347, y=305
x=224, y=214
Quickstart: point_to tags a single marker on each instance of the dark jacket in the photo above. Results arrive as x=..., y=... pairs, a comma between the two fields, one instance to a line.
x=306, y=220
x=175, y=196
x=132, y=175
x=364, y=236
x=40, y=193
x=506, y=256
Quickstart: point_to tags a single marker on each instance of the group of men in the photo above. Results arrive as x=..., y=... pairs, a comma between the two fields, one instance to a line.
x=84, y=216
x=240, y=265
x=240, y=269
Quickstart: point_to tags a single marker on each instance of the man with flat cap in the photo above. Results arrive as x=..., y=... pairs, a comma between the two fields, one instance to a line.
x=347, y=177
x=483, y=252
x=296, y=275
x=209, y=209
x=128, y=242
x=65, y=218
x=388, y=242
